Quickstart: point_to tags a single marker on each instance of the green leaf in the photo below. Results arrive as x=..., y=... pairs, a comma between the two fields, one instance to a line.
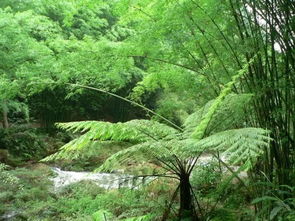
x=202, y=127
x=274, y=212
x=264, y=198
x=102, y=215
x=139, y=218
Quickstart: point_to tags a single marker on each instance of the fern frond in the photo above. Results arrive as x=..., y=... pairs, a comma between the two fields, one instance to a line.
x=231, y=113
x=65, y=152
x=200, y=130
x=94, y=148
x=238, y=145
x=132, y=131
x=95, y=132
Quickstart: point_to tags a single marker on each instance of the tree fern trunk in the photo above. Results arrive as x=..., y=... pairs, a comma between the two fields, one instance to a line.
x=186, y=206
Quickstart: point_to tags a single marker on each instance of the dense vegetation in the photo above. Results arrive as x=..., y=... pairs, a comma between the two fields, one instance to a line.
x=197, y=97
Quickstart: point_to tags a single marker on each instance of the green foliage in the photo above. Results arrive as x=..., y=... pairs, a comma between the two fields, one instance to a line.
x=32, y=197
x=22, y=142
x=41, y=42
x=140, y=218
x=134, y=131
x=223, y=215
x=202, y=126
x=7, y=180
x=238, y=145
x=76, y=18
x=6, y=177
x=26, y=143
x=171, y=150
x=19, y=51
x=278, y=203
x=101, y=215
x=27, y=186
x=206, y=177
x=175, y=91
x=231, y=113
x=171, y=56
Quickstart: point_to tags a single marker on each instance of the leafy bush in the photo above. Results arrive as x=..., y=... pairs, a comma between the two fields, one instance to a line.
x=206, y=176
x=22, y=142
x=29, y=143
x=86, y=198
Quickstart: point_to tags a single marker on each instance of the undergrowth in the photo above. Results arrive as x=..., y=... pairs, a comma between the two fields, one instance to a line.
x=32, y=197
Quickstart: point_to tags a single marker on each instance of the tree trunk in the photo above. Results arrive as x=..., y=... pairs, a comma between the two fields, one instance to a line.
x=5, y=119
x=186, y=206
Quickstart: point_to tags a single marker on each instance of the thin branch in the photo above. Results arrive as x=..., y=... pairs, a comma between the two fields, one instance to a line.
x=143, y=12
x=165, y=61
x=175, y=169
x=233, y=172
x=198, y=204
x=129, y=101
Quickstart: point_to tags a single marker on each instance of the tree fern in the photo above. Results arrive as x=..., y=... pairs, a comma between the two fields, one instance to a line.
x=156, y=140
x=176, y=151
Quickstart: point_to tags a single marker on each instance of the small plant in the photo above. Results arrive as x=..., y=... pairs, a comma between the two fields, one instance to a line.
x=206, y=176
x=9, y=184
x=278, y=203
x=6, y=177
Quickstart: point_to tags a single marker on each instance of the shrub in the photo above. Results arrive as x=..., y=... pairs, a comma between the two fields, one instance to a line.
x=29, y=143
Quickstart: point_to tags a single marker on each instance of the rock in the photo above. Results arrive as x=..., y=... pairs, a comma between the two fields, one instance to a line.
x=46, y=170
x=4, y=154
x=12, y=215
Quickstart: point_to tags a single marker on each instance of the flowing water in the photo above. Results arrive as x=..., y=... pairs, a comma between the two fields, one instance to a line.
x=103, y=180
x=112, y=180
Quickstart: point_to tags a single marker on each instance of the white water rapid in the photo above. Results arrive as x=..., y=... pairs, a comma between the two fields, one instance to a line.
x=104, y=180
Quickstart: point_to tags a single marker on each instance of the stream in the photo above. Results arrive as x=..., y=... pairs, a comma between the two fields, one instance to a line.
x=106, y=180
x=103, y=180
